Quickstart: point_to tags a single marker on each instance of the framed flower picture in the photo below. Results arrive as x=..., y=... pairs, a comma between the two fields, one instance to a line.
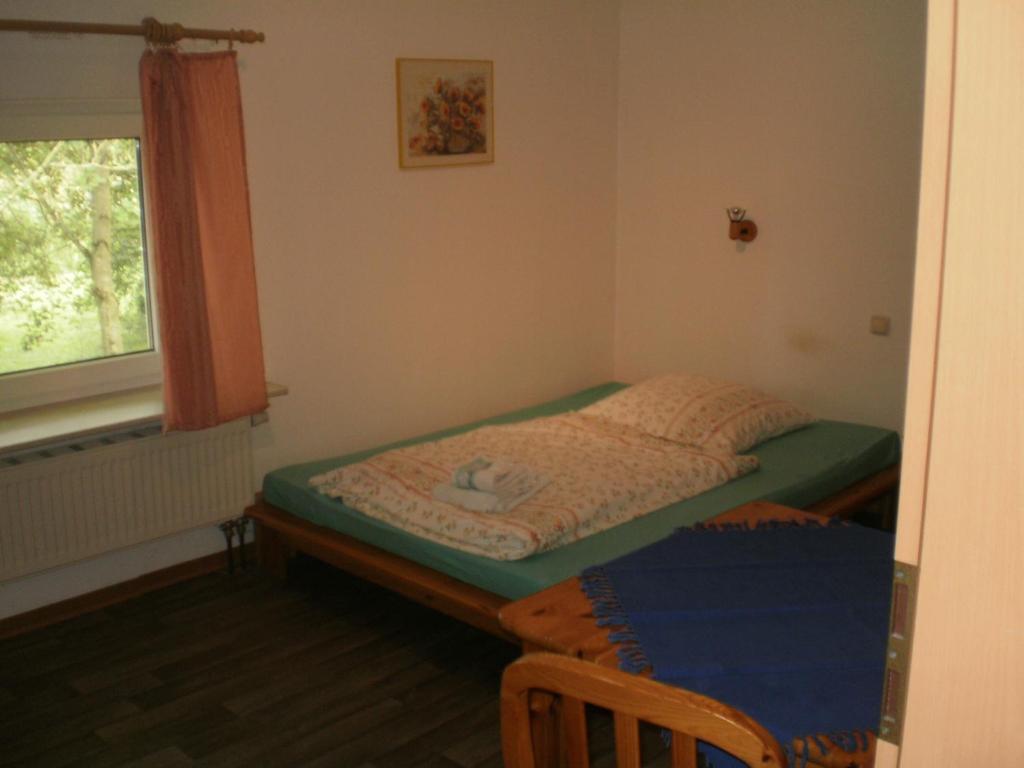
x=445, y=112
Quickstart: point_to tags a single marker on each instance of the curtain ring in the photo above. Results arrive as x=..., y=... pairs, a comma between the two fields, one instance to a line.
x=158, y=34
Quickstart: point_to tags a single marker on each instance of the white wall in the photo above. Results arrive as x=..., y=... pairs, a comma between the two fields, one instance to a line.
x=808, y=115
x=393, y=302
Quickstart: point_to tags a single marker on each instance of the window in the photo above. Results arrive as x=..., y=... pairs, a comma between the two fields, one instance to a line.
x=76, y=311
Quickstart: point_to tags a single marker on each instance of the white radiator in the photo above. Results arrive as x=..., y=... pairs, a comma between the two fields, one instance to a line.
x=65, y=504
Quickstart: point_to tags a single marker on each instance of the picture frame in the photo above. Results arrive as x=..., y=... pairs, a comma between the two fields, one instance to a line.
x=445, y=112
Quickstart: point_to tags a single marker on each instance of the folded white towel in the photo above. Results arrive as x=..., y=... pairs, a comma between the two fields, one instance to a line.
x=478, y=501
x=491, y=475
x=484, y=501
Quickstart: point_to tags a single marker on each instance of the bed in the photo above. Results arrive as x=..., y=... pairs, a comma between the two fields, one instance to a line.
x=830, y=467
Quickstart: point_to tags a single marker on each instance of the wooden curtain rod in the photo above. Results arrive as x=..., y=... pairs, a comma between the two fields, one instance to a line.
x=150, y=28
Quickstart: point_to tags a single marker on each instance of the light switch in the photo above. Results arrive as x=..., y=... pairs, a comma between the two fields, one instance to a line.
x=880, y=325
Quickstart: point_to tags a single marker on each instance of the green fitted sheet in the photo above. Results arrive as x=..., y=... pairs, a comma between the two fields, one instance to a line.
x=796, y=469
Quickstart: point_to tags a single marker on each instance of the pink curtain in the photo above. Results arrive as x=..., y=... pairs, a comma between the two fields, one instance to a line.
x=198, y=205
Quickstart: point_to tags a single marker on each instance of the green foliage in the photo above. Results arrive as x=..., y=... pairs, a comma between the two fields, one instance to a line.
x=47, y=297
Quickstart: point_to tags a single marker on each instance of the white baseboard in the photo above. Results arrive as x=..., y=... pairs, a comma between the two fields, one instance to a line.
x=41, y=589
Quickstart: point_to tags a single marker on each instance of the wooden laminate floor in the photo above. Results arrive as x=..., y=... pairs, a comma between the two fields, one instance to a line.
x=243, y=670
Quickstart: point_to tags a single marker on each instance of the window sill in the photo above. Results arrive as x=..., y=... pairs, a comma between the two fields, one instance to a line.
x=77, y=419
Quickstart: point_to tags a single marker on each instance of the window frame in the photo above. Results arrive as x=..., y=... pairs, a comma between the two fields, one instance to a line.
x=48, y=120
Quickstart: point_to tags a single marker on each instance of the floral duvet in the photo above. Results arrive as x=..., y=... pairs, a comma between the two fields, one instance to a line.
x=601, y=474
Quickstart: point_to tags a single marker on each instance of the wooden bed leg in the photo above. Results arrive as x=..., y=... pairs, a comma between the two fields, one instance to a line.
x=890, y=503
x=274, y=551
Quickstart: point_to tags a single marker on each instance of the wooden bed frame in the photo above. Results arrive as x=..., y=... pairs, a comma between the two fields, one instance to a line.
x=280, y=535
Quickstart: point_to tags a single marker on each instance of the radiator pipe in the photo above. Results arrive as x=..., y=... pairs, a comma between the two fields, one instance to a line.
x=242, y=524
x=228, y=529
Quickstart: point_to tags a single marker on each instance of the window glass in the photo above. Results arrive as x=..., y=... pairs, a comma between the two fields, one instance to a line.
x=73, y=267
x=71, y=325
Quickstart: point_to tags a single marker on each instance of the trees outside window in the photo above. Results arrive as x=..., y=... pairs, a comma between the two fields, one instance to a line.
x=73, y=281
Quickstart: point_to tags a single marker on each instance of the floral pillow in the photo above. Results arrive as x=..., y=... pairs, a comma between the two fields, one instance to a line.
x=711, y=414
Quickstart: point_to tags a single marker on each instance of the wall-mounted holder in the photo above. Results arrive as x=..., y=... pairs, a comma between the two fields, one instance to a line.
x=740, y=228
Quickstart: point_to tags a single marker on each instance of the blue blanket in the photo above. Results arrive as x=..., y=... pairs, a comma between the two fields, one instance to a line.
x=785, y=622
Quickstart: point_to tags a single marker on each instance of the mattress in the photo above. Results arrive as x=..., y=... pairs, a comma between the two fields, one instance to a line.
x=797, y=469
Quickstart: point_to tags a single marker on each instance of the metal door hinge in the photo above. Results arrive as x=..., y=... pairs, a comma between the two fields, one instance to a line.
x=897, y=661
